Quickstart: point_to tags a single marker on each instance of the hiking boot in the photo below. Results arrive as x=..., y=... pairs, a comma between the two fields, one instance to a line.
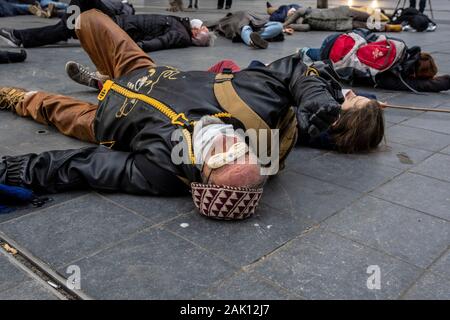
x=7, y=36
x=81, y=74
x=10, y=97
x=257, y=41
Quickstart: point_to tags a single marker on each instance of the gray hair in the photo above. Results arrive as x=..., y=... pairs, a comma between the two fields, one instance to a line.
x=204, y=39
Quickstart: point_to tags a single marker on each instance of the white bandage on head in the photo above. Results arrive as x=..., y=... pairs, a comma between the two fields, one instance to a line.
x=236, y=151
x=196, y=23
x=206, y=130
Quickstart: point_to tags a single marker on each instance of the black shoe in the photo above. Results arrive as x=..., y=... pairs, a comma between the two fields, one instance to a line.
x=257, y=41
x=196, y=6
x=190, y=6
x=227, y=7
x=12, y=57
x=7, y=36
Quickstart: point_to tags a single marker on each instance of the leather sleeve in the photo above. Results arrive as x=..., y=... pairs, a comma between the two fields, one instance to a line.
x=315, y=97
x=96, y=167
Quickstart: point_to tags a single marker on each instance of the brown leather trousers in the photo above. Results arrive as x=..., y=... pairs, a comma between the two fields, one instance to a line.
x=114, y=54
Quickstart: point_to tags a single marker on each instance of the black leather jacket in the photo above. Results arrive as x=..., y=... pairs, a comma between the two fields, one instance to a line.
x=140, y=136
x=154, y=32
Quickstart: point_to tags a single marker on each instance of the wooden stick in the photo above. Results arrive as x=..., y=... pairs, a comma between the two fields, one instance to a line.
x=414, y=108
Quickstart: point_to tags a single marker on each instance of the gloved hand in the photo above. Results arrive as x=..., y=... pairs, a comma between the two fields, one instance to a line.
x=318, y=117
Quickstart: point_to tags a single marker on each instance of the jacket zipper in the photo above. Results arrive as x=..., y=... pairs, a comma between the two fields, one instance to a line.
x=175, y=118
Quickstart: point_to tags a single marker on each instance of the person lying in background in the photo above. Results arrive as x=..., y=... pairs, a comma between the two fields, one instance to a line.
x=151, y=32
x=364, y=58
x=255, y=30
x=342, y=18
x=41, y=8
x=281, y=13
x=413, y=20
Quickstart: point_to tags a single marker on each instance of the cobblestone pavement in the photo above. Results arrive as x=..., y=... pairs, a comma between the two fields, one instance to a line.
x=324, y=220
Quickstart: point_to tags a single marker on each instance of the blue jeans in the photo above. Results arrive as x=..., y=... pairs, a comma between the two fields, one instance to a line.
x=270, y=30
x=58, y=5
x=20, y=9
x=316, y=53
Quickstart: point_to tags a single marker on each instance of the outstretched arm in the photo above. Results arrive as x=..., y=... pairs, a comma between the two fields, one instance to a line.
x=171, y=39
x=96, y=167
x=390, y=81
x=317, y=99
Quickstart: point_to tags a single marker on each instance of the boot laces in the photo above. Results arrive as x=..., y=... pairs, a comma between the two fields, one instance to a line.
x=9, y=98
x=85, y=73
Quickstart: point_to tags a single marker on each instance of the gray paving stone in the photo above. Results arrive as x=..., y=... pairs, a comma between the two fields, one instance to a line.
x=407, y=234
x=305, y=197
x=428, y=100
x=437, y=166
x=301, y=154
x=438, y=122
x=241, y=242
x=417, y=138
x=442, y=266
x=322, y=265
x=348, y=171
x=418, y=192
x=245, y=286
x=29, y=290
x=68, y=232
x=430, y=287
x=151, y=265
x=446, y=150
x=10, y=276
x=54, y=199
x=395, y=155
x=22, y=136
x=397, y=116
x=157, y=209
x=15, y=284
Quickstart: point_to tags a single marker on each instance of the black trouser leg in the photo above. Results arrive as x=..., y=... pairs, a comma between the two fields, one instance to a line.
x=422, y=5
x=412, y=3
x=37, y=37
x=229, y=3
x=220, y=3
